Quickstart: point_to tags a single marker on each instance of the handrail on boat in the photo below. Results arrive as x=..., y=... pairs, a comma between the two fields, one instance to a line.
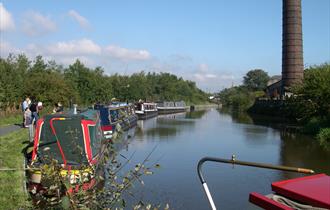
x=245, y=163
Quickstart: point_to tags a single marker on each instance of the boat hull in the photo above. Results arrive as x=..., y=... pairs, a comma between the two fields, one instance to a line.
x=170, y=110
x=147, y=115
x=129, y=122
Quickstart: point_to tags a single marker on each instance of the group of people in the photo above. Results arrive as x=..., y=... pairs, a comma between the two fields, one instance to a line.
x=30, y=109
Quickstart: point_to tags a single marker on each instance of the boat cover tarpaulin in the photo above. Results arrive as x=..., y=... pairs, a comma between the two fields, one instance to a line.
x=78, y=136
x=313, y=190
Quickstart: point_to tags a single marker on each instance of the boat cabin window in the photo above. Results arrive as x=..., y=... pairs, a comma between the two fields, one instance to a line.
x=114, y=115
x=95, y=137
x=139, y=106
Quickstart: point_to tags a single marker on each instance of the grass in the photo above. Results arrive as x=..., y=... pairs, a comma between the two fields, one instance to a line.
x=17, y=117
x=11, y=119
x=12, y=195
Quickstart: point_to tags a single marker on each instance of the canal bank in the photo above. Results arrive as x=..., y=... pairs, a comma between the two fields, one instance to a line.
x=12, y=194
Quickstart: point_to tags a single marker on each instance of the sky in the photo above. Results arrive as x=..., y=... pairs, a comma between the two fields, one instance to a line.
x=214, y=43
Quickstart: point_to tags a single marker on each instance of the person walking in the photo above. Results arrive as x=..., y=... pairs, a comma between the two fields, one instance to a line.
x=25, y=105
x=27, y=116
x=34, y=111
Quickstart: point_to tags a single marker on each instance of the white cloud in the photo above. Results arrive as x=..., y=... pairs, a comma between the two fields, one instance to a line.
x=82, y=21
x=6, y=48
x=127, y=54
x=35, y=24
x=92, y=54
x=74, y=47
x=203, y=67
x=68, y=60
x=6, y=20
x=227, y=77
x=210, y=76
x=199, y=77
x=203, y=74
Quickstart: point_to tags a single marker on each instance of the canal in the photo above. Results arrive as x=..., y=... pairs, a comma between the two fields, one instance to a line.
x=180, y=140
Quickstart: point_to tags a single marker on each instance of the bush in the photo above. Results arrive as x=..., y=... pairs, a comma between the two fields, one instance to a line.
x=312, y=126
x=324, y=137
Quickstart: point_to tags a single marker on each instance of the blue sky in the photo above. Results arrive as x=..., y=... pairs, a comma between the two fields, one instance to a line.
x=211, y=42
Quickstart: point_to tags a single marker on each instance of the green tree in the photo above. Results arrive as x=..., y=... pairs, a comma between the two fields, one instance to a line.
x=312, y=96
x=256, y=79
x=50, y=83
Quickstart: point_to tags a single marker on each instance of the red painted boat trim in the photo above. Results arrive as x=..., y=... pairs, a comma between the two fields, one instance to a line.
x=313, y=190
x=106, y=127
x=87, y=140
x=266, y=203
x=36, y=138
x=57, y=141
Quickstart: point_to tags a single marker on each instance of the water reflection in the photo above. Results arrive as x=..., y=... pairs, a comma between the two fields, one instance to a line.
x=237, y=117
x=196, y=114
x=296, y=149
x=167, y=125
x=123, y=140
x=183, y=139
x=303, y=151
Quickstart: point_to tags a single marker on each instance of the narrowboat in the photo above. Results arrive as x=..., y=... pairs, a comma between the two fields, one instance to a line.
x=129, y=116
x=308, y=192
x=116, y=116
x=169, y=107
x=74, y=144
x=146, y=110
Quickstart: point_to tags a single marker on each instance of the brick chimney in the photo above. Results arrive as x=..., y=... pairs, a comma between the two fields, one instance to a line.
x=292, y=45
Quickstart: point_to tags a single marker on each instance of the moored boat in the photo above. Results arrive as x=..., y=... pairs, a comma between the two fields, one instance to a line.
x=69, y=147
x=169, y=107
x=146, y=110
x=309, y=192
x=130, y=117
x=116, y=115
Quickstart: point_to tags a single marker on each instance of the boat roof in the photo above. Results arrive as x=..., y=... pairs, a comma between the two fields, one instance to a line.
x=71, y=137
x=313, y=190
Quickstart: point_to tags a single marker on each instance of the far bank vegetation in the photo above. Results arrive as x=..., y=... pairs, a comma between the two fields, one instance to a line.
x=50, y=83
x=309, y=107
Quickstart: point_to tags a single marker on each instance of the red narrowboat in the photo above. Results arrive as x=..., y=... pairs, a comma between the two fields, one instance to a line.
x=310, y=192
x=75, y=142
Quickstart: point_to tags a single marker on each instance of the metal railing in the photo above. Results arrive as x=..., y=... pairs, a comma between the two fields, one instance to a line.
x=245, y=163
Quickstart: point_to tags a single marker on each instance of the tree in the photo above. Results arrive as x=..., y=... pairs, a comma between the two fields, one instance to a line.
x=50, y=83
x=313, y=94
x=256, y=79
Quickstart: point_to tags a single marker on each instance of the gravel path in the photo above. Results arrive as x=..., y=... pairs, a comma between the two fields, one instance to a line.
x=8, y=129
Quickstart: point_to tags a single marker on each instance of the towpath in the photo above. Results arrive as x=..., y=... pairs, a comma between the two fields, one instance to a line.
x=8, y=129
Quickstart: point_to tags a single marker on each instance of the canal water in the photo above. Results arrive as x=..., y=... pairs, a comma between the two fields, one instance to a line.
x=179, y=141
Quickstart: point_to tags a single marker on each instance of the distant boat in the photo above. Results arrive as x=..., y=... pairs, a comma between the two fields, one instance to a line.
x=115, y=115
x=146, y=110
x=169, y=107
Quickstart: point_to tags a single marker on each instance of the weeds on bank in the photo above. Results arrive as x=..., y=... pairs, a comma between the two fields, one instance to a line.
x=12, y=195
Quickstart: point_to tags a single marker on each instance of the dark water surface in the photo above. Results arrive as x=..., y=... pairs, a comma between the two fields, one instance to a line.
x=182, y=139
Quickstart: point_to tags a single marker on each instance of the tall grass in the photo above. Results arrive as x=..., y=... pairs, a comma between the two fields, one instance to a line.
x=12, y=195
